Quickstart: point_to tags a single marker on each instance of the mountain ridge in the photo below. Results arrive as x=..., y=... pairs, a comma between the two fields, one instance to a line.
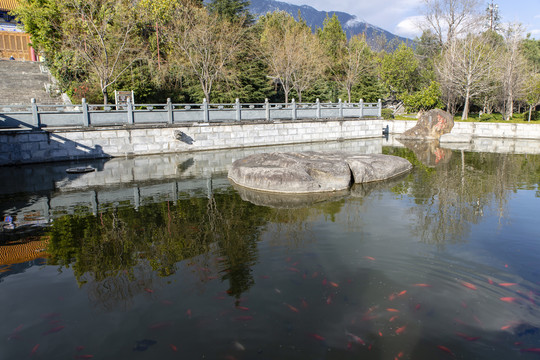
x=315, y=18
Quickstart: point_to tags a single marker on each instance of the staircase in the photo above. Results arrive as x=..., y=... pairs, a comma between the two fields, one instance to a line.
x=21, y=81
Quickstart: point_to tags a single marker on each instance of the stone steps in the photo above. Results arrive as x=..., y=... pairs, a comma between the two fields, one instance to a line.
x=21, y=81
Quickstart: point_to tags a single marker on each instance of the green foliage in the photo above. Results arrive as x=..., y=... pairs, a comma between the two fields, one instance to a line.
x=400, y=70
x=425, y=99
x=333, y=39
x=535, y=115
x=387, y=114
x=230, y=9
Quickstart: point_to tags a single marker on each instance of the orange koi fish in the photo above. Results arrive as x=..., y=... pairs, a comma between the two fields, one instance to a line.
x=399, y=355
x=334, y=284
x=506, y=327
x=417, y=307
x=509, y=299
x=394, y=318
x=490, y=281
x=392, y=296
x=174, y=348
x=401, y=329
x=329, y=299
x=34, y=349
x=380, y=333
x=468, y=285
x=392, y=310
x=369, y=258
x=421, y=285
x=507, y=284
x=468, y=338
x=243, y=308
x=402, y=293
x=148, y=290
x=445, y=349
x=292, y=308
x=188, y=313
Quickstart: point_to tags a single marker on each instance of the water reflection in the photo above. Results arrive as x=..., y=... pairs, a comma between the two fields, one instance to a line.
x=428, y=153
x=148, y=264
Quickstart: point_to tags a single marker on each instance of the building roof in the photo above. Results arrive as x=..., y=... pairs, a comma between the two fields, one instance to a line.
x=8, y=5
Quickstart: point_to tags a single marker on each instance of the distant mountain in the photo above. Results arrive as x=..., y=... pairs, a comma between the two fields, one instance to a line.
x=315, y=18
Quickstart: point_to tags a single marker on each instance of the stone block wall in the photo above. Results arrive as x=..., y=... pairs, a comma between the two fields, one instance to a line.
x=20, y=147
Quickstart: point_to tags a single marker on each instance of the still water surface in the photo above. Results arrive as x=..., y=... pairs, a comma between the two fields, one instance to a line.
x=439, y=264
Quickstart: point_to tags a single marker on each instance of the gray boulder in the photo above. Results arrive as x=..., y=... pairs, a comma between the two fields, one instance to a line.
x=431, y=125
x=312, y=172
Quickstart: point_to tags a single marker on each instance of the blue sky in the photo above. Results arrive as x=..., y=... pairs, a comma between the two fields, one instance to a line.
x=399, y=16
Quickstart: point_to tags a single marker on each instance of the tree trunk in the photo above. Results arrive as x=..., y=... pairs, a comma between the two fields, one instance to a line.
x=465, y=114
x=105, y=97
x=349, y=93
x=530, y=112
x=157, y=43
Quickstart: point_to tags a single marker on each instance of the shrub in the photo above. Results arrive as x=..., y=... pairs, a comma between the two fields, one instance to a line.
x=387, y=114
x=535, y=115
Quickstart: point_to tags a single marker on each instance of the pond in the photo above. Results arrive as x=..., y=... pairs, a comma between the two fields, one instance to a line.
x=161, y=257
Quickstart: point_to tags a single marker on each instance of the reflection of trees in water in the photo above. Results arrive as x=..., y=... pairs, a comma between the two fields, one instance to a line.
x=216, y=233
x=456, y=194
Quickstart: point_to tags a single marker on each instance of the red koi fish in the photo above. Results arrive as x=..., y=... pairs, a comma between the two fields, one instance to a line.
x=150, y=291
x=509, y=299
x=417, y=307
x=317, y=337
x=392, y=310
x=243, y=308
x=79, y=348
x=468, y=285
x=421, y=285
x=402, y=293
x=167, y=302
x=292, y=308
x=394, y=318
x=445, y=349
x=304, y=303
x=265, y=277
x=334, y=284
x=324, y=282
x=174, y=348
x=54, y=330
x=293, y=269
x=188, y=313
x=380, y=334
x=468, y=338
x=507, y=284
x=490, y=281
x=399, y=355
x=34, y=349
x=401, y=329
x=369, y=258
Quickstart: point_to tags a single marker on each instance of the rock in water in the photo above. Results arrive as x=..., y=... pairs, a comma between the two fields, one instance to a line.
x=312, y=172
x=430, y=125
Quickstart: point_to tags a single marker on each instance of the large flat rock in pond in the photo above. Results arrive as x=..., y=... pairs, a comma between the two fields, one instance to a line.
x=311, y=172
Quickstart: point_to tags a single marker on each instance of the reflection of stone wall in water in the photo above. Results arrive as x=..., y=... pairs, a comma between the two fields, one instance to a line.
x=428, y=153
x=431, y=125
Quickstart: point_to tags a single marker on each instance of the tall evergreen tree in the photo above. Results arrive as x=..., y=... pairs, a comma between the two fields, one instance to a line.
x=230, y=9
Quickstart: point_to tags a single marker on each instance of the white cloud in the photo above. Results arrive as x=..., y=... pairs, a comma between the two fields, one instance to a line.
x=409, y=27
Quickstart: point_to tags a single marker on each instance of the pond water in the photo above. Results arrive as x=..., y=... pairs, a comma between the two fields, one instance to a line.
x=160, y=257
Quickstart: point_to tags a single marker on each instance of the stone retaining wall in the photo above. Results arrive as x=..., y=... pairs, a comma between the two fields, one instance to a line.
x=19, y=147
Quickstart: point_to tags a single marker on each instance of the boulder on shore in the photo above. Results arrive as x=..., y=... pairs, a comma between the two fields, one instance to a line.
x=431, y=125
x=312, y=172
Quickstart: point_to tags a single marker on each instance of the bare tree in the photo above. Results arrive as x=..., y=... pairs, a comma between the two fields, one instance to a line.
x=358, y=61
x=310, y=63
x=282, y=47
x=465, y=68
x=204, y=44
x=513, y=69
x=103, y=33
x=449, y=19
